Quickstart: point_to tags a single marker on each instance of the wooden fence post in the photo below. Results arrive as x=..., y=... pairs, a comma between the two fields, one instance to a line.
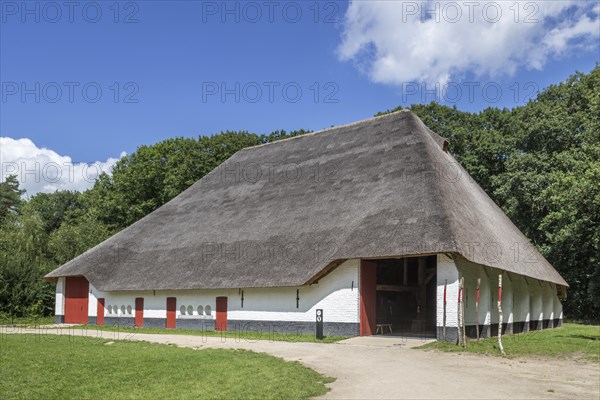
x=477, y=294
x=462, y=311
x=458, y=316
x=444, y=317
x=500, y=315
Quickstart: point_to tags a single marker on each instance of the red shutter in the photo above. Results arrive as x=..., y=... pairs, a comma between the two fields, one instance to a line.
x=221, y=323
x=171, y=313
x=139, y=312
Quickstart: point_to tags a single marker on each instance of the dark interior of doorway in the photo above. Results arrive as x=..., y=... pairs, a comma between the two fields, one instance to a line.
x=406, y=295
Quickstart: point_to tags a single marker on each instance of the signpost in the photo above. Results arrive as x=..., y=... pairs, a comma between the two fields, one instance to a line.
x=319, y=326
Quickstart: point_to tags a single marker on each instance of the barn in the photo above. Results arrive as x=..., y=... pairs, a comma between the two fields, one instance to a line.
x=373, y=222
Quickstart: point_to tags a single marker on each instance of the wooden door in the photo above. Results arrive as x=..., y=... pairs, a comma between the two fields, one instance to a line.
x=221, y=322
x=76, y=300
x=368, y=294
x=100, y=313
x=171, y=312
x=139, y=312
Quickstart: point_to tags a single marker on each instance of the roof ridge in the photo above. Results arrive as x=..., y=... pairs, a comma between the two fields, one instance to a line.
x=362, y=121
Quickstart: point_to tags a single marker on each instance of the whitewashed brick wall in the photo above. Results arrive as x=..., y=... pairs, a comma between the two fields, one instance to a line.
x=520, y=298
x=447, y=272
x=337, y=294
x=59, y=305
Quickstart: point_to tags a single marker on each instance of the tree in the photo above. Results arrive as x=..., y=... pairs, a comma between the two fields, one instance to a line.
x=56, y=208
x=23, y=264
x=10, y=197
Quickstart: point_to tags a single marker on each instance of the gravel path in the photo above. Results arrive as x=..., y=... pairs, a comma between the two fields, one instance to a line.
x=388, y=368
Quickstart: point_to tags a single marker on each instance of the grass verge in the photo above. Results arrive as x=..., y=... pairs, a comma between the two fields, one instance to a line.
x=26, y=321
x=571, y=340
x=47, y=366
x=291, y=336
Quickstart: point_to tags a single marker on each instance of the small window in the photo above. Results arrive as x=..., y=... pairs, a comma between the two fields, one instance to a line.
x=123, y=309
x=200, y=310
x=109, y=309
x=129, y=310
x=115, y=310
x=190, y=310
x=182, y=310
x=207, y=310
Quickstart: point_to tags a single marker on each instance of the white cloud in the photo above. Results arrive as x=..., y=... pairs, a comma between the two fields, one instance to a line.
x=397, y=42
x=44, y=170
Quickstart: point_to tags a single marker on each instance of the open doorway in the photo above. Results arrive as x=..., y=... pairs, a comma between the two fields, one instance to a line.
x=398, y=296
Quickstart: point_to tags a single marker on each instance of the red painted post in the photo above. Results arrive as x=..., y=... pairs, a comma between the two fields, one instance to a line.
x=171, y=313
x=100, y=312
x=139, y=312
x=221, y=320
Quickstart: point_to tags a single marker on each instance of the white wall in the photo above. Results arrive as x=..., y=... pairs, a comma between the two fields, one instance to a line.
x=536, y=301
x=92, y=301
x=447, y=273
x=549, y=294
x=337, y=294
x=507, y=299
x=471, y=272
x=558, y=309
x=59, y=305
x=521, y=298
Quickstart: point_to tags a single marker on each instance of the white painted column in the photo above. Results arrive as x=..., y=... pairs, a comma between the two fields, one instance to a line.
x=536, y=304
x=485, y=303
x=507, y=302
x=447, y=272
x=493, y=297
x=521, y=302
x=59, y=305
x=92, y=302
x=549, y=302
x=558, y=309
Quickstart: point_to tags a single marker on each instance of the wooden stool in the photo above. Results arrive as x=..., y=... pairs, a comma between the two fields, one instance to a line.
x=380, y=328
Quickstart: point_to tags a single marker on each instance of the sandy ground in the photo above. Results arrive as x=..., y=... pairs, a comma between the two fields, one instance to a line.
x=389, y=368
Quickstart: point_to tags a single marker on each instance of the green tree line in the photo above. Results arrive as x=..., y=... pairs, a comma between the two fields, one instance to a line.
x=540, y=162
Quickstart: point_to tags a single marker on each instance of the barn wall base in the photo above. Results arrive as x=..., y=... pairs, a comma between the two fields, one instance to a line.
x=486, y=331
x=290, y=328
x=521, y=327
x=117, y=321
x=59, y=319
x=557, y=322
x=202, y=324
x=294, y=328
x=451, y=334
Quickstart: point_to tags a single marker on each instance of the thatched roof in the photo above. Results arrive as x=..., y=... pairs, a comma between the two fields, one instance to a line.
x=285, y=213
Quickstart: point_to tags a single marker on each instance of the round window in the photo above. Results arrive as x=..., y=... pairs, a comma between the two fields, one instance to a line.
x=190, y=310
x=122, y=309
x=115, y=310
x=207, y=310
x=200, y=310
x=182, y=310
x=129, y=310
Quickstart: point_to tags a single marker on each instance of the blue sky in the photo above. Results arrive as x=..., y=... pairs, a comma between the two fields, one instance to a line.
x=169, y=61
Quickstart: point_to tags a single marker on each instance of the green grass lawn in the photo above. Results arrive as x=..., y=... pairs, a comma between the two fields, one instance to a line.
x=245, y=335
x=28, y=321
x=69, y=367
x=571, y=340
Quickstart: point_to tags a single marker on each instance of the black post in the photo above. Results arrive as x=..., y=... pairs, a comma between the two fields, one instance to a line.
x=319, y=326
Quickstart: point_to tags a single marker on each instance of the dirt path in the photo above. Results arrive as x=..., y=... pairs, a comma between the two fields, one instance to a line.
x=388, y=368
